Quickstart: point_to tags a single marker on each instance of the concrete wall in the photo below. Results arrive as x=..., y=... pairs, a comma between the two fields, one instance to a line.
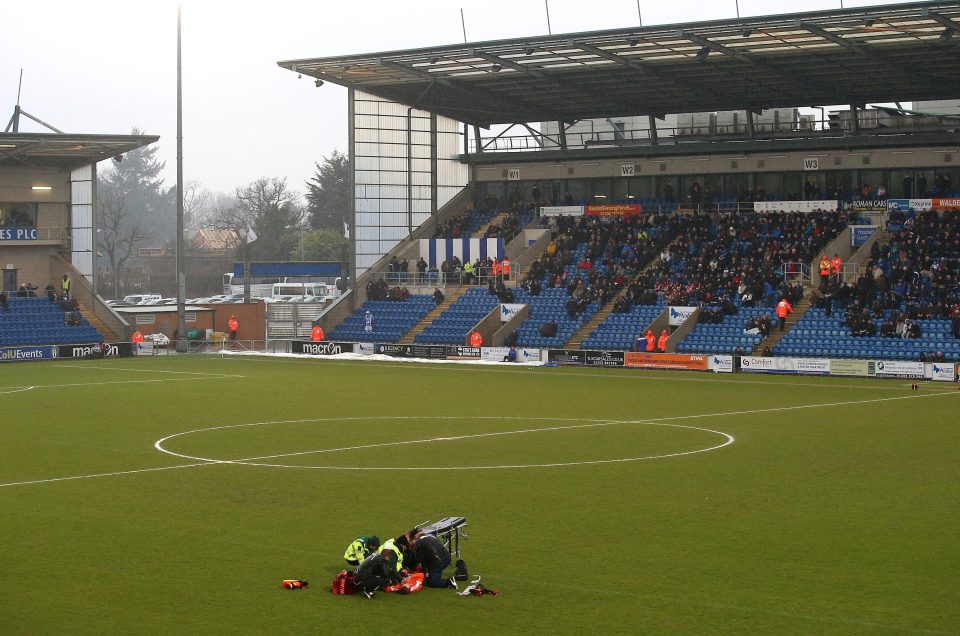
x=487, y=326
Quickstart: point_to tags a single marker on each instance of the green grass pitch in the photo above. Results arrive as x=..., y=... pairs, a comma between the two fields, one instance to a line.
x=599, y=501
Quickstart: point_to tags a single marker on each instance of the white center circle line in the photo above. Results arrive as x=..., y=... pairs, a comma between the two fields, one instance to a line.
x=253, y=461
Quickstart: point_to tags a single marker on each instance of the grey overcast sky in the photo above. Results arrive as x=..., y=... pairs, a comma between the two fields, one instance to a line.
x=106, y=66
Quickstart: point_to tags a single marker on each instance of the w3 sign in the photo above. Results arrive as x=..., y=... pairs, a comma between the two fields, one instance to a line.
x=811, y=163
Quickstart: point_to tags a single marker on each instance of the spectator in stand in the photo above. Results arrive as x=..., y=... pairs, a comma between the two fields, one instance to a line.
x=51, y=293
x=3, y=301
x=421, y=270
x=824, y=270
x=548, y=329
x=65, y=286
x=955, y=323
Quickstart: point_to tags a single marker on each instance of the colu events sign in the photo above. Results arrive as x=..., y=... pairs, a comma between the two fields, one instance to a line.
x=18, y=234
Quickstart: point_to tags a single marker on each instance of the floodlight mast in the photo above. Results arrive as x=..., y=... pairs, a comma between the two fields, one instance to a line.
x=181, y=280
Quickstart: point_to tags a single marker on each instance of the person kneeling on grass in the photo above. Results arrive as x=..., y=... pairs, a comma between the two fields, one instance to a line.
x=376, y=572
x=361, y=548
x=432, y=557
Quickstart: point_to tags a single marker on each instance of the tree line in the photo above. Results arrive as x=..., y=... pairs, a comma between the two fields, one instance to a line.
x=137, y=216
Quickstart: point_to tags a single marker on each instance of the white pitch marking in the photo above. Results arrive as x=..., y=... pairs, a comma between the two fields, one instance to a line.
x=59, y=386
x=593, y=424
x=213, y=462
x=15, y=389
x=99, y=368
x=119, y=472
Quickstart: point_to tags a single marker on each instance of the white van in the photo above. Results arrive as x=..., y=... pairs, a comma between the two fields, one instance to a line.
x=140, y=299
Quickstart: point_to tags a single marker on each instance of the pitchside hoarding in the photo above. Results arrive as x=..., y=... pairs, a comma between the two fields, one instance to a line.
x=665, y=361
x=943, y=372
x=603, y=358
x=23, y=354
x=323, y=348
x=858, y=368
x=430, y=352
x=679, y=314
x=807, y=366
x=116, y=350
x=566, y=356
x=899, y=369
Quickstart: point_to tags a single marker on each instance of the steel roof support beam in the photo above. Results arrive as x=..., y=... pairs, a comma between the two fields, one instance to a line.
x=790, y=78
x=613, y=57
x=469, y=92
x=905, y=73
x=942, y=19
x=629, y=107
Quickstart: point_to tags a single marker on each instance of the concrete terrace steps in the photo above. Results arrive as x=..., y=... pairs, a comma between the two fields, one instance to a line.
x=452, y=294
x=107, y=333
x=775, y=334
x=576, y=340
x=496, y=219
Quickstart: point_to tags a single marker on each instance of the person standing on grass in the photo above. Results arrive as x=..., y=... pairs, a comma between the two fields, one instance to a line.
x=662, y=342
x=233, y=325
x=651, y=341
x=316, y=334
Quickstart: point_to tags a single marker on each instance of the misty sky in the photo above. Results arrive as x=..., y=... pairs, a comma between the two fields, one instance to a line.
x=106, y=66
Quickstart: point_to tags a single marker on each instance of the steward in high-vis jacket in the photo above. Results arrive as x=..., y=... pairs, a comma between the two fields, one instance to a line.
x=398, y=547
x=377, y=571
x=361, y=548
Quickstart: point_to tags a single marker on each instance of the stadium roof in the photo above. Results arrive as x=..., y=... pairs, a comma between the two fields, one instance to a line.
x=64, y=150
x=847, y=56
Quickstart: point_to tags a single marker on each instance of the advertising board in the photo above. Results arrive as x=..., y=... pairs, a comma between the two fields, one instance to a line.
x=859, y=368
x=793, y=206
x=323, y=348
x=461, y=352
x=680, y=314
x=603, y=358
x=22, y=354
x=561, y=210
x=720, y=364
x=566, y=356
x=613, y=209
x=943, y=371
x=509, y=310
x=868, y=205
x=430, y=352
x=365, y=348
x=115, y=350
x=809, y=366
x=899, y=369
x=860, y=234
x=18, y=234
x=643, y=360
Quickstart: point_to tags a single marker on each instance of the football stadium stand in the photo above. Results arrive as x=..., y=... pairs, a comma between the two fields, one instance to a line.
x=36, y=321
x=391, y=319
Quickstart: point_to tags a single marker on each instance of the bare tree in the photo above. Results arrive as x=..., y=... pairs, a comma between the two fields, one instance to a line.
x=118, y=235
x=197, y=208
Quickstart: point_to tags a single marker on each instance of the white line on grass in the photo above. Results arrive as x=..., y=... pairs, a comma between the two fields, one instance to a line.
x=105, y=382
x=99, y=368
x=113, y=474
x=652, y=421
x=214, y=462
x=15, y=389
x=250, y=461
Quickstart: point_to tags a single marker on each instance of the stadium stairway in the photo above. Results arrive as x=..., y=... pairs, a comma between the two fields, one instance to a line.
x=576, y=340
x=108, y=334
x=483, y=228
x=453, y=294
x=775, y=334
